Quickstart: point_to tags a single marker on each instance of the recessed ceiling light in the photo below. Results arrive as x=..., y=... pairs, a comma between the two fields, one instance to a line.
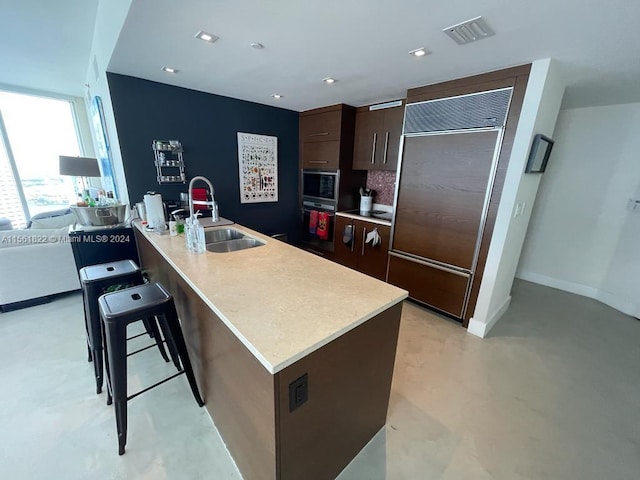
x=257, y=46
x=206, y=36
x=276, y=95
x=329, y=80
x=169, y=70
x=419, y=52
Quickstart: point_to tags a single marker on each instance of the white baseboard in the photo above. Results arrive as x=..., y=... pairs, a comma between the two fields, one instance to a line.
x=480, y=329
x=627, y=307
x=571, y=287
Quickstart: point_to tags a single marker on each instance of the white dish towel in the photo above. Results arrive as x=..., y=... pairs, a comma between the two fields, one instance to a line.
x=374, y=237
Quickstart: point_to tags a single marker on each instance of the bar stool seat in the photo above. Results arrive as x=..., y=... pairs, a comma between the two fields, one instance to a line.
x=94, y=280
x=118, y=310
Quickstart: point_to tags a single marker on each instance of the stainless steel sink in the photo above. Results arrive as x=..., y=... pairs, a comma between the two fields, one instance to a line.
x=229, y=240
x=233, y=245
x=212, y=236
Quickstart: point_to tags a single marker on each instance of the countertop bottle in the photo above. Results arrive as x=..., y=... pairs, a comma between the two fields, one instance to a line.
x=173, y=228
x=188, y=234
x=199, y=245
x=177, y=221
x=194, y=235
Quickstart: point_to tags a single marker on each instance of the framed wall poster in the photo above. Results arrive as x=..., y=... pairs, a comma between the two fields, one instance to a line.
x=258, y=168
x=103, y=150
x=539, y=154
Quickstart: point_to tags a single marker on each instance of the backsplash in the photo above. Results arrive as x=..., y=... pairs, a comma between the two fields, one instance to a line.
x=384, y=184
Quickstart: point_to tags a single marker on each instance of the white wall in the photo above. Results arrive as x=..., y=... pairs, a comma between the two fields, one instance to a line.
x=109, y=21
x=583, y=237
x=542, y=100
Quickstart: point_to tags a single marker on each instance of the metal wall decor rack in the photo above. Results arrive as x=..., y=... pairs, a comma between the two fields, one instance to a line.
x=168, y=161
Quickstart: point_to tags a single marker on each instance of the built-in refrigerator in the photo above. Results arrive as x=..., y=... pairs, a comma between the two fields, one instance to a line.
x=449, y=153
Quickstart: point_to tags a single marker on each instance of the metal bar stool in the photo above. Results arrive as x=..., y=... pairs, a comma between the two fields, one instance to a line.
x=95, y=279
x=118, y=310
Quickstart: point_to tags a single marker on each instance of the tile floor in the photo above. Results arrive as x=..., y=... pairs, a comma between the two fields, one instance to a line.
x=553, y=393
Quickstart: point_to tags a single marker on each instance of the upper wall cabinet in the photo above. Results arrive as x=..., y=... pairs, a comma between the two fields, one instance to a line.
x=377, y=137
x=326, y=137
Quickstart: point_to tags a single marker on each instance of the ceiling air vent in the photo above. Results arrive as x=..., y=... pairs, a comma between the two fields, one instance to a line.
x=469, y=31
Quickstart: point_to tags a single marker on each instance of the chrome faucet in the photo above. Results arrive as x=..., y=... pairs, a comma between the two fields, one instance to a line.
x=214, y=215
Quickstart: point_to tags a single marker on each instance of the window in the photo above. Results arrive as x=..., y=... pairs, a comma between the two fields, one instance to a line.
x=34, y=131
x=10, y=204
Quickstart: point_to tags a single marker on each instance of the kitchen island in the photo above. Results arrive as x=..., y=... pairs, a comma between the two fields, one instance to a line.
x=293, y=354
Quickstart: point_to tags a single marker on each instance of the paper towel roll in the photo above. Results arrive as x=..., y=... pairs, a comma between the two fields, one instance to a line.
x=155, y=211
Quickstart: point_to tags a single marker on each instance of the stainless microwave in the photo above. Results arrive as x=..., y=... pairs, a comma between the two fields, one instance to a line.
x=320, y=185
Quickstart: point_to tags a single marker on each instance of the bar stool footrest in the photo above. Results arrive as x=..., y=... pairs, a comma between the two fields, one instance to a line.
x=153, y=345
x=155, y=385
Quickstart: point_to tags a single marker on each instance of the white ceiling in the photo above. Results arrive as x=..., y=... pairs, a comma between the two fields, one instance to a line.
x=364, y=44
x=45, y=44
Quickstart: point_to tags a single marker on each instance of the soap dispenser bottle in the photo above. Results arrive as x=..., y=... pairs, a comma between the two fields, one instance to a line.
x=188, y=233
x=175, y=225
x=199, y=245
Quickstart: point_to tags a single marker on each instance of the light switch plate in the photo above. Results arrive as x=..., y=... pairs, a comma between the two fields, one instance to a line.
x=519, y=210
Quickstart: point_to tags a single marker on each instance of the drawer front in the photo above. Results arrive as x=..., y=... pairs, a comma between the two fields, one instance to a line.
x=438, y=288
x=321, y=127
x=321, y=154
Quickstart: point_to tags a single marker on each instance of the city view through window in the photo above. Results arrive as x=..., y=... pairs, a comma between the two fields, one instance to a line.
x=36, y=131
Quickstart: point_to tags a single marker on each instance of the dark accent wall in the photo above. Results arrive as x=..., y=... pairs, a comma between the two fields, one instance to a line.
x=207, y=126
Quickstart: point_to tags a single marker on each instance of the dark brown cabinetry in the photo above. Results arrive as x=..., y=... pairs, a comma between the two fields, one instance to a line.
x=443, y=185
x=352, y=251
x=439, y=213
x=442, y=288
x=377, y=138
x=327, y=181
x=326, y=137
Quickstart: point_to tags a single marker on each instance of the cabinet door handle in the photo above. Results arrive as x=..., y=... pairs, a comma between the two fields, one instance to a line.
x=386, y=147
x=353, y=240
x=373, y=150
x=321, y=134
x=364, y=234
x=318, y=161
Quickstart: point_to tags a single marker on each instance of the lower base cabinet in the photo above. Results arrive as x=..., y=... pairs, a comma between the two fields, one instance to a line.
x=430, y=284
x=351, y=250
x=349, y=383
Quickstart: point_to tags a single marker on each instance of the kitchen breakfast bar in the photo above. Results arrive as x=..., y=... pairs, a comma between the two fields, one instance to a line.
x=293, y=354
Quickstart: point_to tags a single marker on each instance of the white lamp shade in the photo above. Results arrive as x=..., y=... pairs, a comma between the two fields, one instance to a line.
x=79, y=166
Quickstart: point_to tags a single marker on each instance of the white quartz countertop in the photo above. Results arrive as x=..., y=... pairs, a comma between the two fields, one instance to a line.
x=280, y=301
x=355, y=215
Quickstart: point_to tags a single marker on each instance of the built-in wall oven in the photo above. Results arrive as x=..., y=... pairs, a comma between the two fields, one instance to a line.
x=321, y=185
x=318, y=220
x=319, y=205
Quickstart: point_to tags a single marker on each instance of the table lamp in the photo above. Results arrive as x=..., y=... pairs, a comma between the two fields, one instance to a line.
x=79, y=167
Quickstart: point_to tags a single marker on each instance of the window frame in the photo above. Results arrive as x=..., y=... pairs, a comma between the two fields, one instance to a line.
x=77, y=124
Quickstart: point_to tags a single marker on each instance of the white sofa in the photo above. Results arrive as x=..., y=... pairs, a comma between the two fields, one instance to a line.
x=36, y=262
